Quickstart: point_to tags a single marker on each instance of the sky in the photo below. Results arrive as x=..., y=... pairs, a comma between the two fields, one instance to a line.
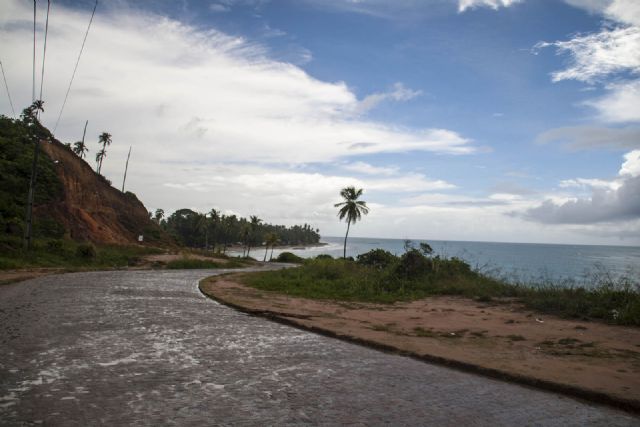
x=480, y=120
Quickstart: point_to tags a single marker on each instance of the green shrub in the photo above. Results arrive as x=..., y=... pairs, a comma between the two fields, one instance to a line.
x=324, y=256
x=191, y=263
x=452, y=266
x=55, y=246
x=86, y=251
x=413, y=264
x=377, y=258
x=289, y=257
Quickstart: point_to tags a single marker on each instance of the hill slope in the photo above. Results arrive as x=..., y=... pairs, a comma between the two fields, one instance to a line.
x=71, y=199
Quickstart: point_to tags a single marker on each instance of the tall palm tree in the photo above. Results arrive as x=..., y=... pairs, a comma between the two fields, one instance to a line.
x=30, y=114
x=253, y=226
x=214, y=220
x=99, y=156
x=80, y=148
x=158, y=215
x=271, y=239
x=105, y=140
x=351, y=208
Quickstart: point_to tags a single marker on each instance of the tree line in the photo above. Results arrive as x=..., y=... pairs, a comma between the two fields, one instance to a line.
x=216, y=231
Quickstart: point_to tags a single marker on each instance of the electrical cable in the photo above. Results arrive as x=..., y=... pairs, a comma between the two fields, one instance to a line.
x=6, y=85
x=33, y=85
x=44, y=51
x=75, y=68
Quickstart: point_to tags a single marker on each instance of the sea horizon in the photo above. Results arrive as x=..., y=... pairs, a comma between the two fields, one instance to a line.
x=482, y=241
x=531, y=263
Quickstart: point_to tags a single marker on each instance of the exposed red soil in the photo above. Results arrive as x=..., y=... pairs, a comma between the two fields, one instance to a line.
x=91, y=209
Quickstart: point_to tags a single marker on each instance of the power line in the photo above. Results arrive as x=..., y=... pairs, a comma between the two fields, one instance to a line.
x=6, y=85
x=76, y=67
x=33, y=85
x=44, y=52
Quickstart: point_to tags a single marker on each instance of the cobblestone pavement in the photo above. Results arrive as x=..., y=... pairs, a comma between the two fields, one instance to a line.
x=146, y=348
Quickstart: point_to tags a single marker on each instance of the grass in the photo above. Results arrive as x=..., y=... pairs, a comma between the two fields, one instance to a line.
x=58, y=253
x=192, y=263
x=409, y=278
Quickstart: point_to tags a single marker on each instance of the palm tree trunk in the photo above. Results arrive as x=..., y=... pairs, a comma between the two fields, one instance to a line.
x=266, y=249
x=344, y=254
x=271, y=256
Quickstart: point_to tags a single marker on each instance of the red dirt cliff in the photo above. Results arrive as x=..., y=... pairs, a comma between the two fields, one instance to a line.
x=91, y=209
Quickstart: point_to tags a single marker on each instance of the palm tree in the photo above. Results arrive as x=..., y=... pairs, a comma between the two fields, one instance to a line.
x=213, y=224
x=80, y=148
x=271, y=240
x=99, y=156
x=245, y=233
x=105, y=140
x=253, y=226
x=159, y=215
x=351, y=208
x=30, y=114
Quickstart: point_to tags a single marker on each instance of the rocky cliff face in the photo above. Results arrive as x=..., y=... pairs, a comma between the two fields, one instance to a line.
x=91, y=209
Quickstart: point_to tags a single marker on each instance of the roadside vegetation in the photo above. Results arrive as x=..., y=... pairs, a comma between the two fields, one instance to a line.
x=196, y=263
x=381, y=277
x=68, y=254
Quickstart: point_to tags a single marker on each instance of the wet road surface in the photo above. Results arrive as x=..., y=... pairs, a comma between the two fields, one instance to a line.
x=146, y=348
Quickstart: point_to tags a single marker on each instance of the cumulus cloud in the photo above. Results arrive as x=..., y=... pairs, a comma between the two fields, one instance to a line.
x=610, y=202
x=626, y=11
x=588, y=137
x=493, y=4
x=631, y=165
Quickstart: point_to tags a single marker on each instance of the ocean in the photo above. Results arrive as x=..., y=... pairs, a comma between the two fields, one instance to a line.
x=523, y=262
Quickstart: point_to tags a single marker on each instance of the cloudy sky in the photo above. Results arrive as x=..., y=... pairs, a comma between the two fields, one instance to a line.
x=491, y=120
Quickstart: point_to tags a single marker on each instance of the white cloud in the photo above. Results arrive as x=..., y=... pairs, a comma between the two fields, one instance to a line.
x=397, y=93
x=599, y=55
x=493, y=4
x=366, y=168
x=212, y=118
x=590, y=183
x=625, y=11
x=219, y=8
x=585, y=137
x=616, y=201
x=614, y=51
x=621, y=104
x=631, y=165
x=184, y=94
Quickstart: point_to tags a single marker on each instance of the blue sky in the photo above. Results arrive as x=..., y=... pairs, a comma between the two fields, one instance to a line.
x=494, y=120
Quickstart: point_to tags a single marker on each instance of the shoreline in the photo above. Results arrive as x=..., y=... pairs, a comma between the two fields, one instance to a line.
x=588, y=360
x=236, y=248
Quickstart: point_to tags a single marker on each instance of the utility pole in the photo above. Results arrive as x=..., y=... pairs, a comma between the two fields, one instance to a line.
x=32, y=185
x=125, y=169
x=85, y=131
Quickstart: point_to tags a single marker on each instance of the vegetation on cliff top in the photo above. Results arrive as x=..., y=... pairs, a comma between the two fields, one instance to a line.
x=16, y=157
